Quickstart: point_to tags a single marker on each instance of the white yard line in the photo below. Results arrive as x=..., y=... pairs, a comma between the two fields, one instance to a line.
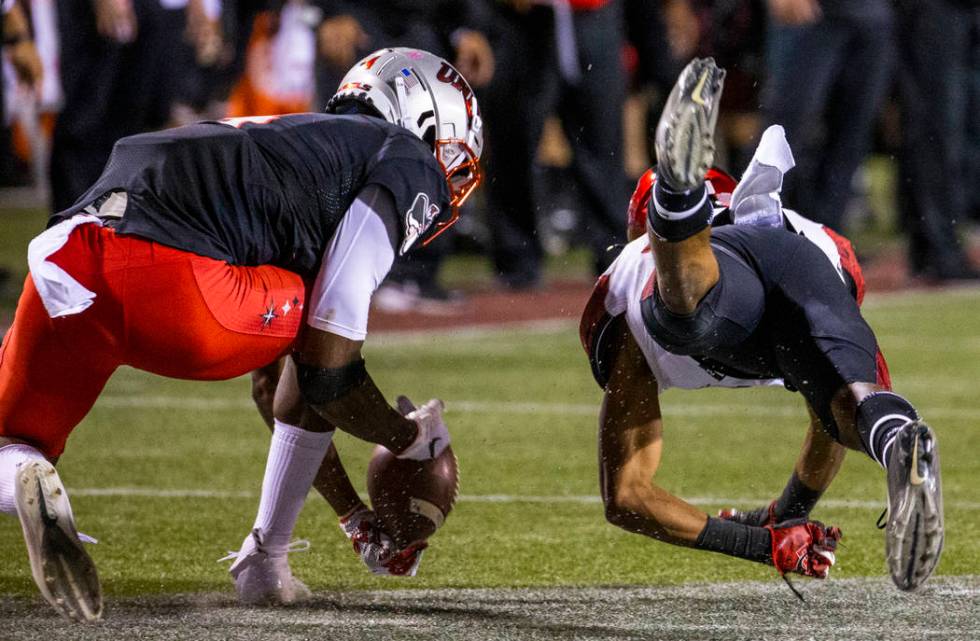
x=576, y=499
x=141, y=401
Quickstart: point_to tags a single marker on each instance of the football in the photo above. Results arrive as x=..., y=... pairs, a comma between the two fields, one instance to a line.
x=412, y=498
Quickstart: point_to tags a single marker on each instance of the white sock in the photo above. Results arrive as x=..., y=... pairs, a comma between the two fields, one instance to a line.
x=11, y=456
x=295, y=456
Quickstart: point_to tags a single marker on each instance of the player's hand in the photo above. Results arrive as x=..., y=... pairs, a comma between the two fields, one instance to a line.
x=759, y=517
x=804, y=547
x=370, y=543
x=116, y=20
x=433, y=435
x=340, y=38
x=474, y=57
x=376, y=549
x=404, y=562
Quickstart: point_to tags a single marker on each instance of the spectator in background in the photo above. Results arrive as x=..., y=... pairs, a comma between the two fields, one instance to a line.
x=118, y=75
x=563, y=57
x=938, y=41
x=18, y=47
x=451, y=29
x=830, y=62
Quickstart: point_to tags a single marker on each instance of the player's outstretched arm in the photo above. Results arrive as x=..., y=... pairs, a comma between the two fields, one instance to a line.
x=630, y=446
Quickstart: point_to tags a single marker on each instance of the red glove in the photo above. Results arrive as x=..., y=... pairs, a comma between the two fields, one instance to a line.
x=376, y=549
x=405, y=562
x=804, y=547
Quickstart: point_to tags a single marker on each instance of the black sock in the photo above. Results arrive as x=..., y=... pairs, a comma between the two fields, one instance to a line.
x=676, y=215
x=735, y=539
x=796, y=501
x=879, y=417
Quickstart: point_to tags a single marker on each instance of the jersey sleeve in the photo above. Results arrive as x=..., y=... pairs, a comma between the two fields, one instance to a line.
x=356, y=261
x=410, y=173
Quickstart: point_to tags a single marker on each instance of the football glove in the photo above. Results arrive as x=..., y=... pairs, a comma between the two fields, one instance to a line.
x=759, y=517
x=804, y=547
x=376, y=549
x=433, y=436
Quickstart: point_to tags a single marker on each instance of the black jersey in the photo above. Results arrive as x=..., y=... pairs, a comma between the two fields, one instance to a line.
x=267, y=190
x=780, y=309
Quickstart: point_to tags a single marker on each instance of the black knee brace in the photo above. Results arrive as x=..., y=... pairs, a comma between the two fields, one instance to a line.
x=320, y=385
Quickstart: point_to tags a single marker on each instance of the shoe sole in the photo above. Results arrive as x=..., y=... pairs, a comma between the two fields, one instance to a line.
x=688, y=133
x=62, y=569
x=915, y=533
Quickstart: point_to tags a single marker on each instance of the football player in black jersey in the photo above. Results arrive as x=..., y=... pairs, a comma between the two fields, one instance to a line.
x=207, y=251
x=755, y=302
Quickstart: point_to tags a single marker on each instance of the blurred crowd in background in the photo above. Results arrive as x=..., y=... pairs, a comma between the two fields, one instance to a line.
x=570, y=91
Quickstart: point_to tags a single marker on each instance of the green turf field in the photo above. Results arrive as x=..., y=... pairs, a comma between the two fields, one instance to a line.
x=166, y=473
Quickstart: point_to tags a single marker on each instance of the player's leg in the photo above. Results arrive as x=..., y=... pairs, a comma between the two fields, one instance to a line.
x=886, y=426
x=680, y=212
x=331, y=481
x=835, y=362
x=51, y=372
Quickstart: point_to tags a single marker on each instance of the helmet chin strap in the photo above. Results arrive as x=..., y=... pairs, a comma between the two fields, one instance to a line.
x=402, y=94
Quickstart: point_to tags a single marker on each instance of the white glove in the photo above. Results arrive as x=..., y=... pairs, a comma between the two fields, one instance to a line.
x=433, y=436
x=376, y=549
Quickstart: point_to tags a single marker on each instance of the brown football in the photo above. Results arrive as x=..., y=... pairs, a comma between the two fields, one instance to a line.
x=412, y=498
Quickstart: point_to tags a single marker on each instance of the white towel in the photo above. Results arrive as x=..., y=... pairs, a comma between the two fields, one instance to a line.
x=756, y=200
x=61, y=294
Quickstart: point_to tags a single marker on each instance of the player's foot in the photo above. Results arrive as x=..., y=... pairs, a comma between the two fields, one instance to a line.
x=914, y=530
x=62, y=569
x=685, y=140
x=262, y=578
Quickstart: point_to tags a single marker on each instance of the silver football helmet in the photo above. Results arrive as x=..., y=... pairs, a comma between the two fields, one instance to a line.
x=426, y=95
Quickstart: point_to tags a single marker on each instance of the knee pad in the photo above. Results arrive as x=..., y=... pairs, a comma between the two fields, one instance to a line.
x=879, y=415
x=320, y=385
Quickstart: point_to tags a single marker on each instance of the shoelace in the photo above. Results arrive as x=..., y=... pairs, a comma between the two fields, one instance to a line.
x=298, y=545
x=85, y=538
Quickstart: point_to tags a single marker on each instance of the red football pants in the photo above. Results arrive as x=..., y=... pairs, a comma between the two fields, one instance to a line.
x=156, y=308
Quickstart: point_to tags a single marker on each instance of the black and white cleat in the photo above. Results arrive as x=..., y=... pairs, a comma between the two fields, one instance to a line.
x=685, y=138
x=62, y=569
x=914, y=529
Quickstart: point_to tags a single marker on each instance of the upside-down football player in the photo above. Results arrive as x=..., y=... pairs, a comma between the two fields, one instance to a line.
x=200, y=253
x=740, y=295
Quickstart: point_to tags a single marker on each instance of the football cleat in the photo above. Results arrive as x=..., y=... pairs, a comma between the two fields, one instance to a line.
x=62, y=569
x=685, y=138
x=264, y=578
x=914, y=529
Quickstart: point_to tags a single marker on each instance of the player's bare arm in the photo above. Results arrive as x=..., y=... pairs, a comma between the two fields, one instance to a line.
x=630, y=447
x=328, y=372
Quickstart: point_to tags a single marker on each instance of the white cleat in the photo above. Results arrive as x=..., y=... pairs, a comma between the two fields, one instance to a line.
x=265, y=579
x=62, y=569
x=914, y=531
